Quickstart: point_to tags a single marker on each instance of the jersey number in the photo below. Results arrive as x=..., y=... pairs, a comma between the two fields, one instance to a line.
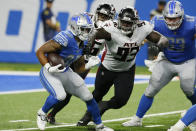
x=122, y=53
x=176, y=44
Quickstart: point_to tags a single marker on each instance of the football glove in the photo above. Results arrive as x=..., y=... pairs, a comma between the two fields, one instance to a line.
x=151, y=63
x=53, y=69
x=86, y=50
x=93, y=61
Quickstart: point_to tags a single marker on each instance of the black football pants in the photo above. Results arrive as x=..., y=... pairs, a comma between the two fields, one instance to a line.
x=123, y=85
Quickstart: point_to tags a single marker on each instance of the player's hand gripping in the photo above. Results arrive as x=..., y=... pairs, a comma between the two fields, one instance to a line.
x=93, y=61
x=53, y=69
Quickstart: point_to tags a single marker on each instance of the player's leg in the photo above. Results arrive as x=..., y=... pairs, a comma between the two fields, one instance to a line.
x=77, y=87
x=161, y=75
x=57, y=93
x=187, y=79
x=103, y=82
x=186, y=120
x=60, y=105
x=57, y=107
x=123, y=85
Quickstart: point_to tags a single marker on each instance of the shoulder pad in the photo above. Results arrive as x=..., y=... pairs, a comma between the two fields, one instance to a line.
x=160, y=18
x=69, y=34
x=190, y=18
x=61, y=38
x=145, y=26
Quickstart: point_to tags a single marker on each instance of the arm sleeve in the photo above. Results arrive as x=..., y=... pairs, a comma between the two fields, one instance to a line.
x=148, y=27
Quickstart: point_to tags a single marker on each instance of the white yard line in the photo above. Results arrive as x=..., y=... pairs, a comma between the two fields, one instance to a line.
x=22, y=91
x=15, y=121
x=154, y=126
x=106, y=121
x=30, y=73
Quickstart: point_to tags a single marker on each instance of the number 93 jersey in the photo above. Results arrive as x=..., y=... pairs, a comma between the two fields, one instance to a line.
x=121, y=49
x=181, y=41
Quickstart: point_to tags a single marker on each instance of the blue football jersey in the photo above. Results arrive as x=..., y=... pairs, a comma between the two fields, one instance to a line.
x=70, y=50
x=181, y=41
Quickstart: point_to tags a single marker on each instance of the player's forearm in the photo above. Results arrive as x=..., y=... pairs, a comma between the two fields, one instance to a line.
x=41, y=57
x=79, y=65
x=163, y=42
x=80, y=69
x=157, y=38
x=49, y=46
x=101, y=33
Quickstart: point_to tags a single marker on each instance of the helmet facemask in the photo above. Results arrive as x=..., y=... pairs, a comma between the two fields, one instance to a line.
x=84, y=33
x=126, y=27
x=127, y=20
x=103, y=13
x=173, y=23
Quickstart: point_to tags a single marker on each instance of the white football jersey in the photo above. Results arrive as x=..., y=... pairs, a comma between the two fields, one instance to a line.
x=121, y=49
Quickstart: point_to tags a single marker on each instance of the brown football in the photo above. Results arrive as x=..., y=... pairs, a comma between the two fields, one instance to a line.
x=55, y=59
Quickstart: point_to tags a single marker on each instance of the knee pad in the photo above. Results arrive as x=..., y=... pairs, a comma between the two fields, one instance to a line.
x=87, y=97
x=61, y=96
x=151, y=92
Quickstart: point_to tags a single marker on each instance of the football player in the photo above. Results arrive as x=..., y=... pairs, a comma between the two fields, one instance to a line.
x=123, y=41
x=177, y=58
x=103, y=12
x=58, y=82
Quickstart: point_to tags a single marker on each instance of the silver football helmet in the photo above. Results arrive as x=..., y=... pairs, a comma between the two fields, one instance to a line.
x=81, y=25
x=173, y=14
x=127, y=20
x=104, y=12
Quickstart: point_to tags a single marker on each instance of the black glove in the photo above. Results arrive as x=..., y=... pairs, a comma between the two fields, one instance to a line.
x=86, y=50
x=153, y=51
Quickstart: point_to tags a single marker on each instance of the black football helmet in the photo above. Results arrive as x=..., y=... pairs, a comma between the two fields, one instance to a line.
x=104, y=12
x=127, y=20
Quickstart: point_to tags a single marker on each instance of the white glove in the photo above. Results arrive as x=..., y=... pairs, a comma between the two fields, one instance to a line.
x=52, y=69
x=93, y=61
x=151, y=63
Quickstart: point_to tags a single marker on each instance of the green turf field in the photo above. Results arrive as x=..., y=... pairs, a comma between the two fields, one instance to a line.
x=24, y=106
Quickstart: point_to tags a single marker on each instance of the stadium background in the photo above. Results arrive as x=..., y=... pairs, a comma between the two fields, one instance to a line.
x=21, y=34
x=21, y=31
